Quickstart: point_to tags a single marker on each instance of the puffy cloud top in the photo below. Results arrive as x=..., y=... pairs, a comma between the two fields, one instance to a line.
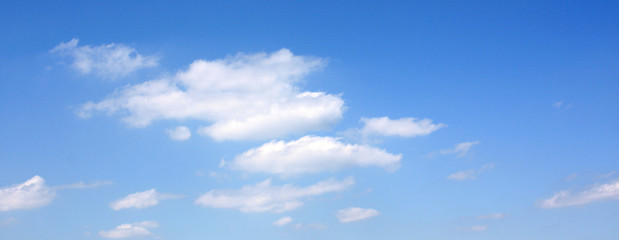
x=244, y=97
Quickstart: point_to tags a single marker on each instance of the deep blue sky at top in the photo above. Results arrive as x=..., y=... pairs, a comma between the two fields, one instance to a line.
x=490, y=70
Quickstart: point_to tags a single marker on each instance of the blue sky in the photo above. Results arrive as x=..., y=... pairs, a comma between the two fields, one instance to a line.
x=321, y=120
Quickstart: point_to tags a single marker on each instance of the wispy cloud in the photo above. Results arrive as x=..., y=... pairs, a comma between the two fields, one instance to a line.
x=491, y=216
x=311, y=154
x=596, y=193
x=263, y=197
x=353, y=214
x=403, y=127
x=107, y=61
x=144, y=199
x=82, y=185
x=469, y=174
x=282, y=221
x=179, y=133
x=30, y=194
x=34, y=193
x=8, y=221
x=460, y=149
x=130, y=230
x=476, y=228
x=242, y=97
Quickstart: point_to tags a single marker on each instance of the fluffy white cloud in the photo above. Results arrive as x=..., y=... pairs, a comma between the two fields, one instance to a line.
x=469, y=174
x=179, y=133
x=138, y=229
x=263, y=197
x=30, y=194
x=353, y=214
x=403, y=127
x=609, y=191
x=282, y=221
x=461, y=149
x=243, y=97
x=311, y=154
x=108, y=61
x=144, y=199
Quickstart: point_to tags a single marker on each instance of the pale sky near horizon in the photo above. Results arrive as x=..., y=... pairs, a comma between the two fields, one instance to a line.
x=309, y=120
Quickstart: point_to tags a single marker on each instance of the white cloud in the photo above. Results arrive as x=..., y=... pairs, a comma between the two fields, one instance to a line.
x=469, y=174
x=144, y=199
x=242, y=97
x=138, y=229
x=476, y=228
x=263, y=197
x=282, y=221
x=311, y=154
x=403, y=127
x=179, y=133
x=609, y=191
x=461, y=149
x=30, y=194
x=491, y=216
x=108, y=61
x=557, y=104
x=353, y=214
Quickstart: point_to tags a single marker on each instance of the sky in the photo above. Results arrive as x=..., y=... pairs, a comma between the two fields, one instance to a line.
x=309, y=120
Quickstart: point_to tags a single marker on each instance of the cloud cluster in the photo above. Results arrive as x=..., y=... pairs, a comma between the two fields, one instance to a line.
x=353, y=214
x=403, y=127
x=243, y=96
x=144, y=199
x=30, y=194
x=107, y=61
x=311, y=154
x=130, y=230
x=608, y=191
x=263, y=197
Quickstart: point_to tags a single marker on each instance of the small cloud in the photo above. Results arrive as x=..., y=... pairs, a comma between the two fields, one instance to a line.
x=263, y=197
x=144, y=199
x=313, y=226
x=354, y=214
x=561, y=105
x=107, y=61
x=282, y=221
x=138, y=229
x=403, y=127
x=179, y=133
x=596, y=193
x=571, y=177
x=460, y=149
x=469, y=174
x=476, y=228
x=30, y=194
x=491, y=216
